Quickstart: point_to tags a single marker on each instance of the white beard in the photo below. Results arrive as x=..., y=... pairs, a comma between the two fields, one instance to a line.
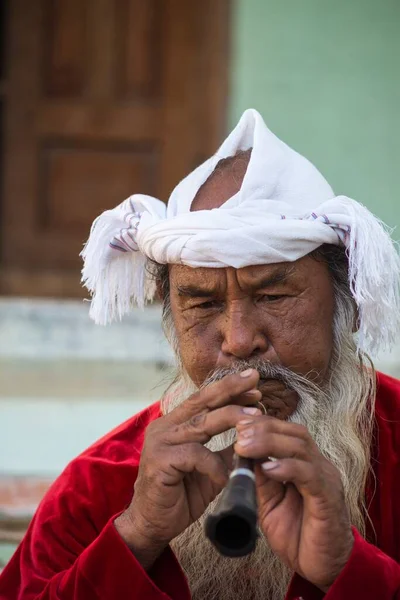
x=211, y=576
x=339, y=418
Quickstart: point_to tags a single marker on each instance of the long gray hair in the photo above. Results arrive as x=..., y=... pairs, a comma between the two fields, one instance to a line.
x=339, y=416
x=346, y=415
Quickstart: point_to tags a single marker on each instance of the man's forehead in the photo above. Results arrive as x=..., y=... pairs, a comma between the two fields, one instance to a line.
x=183, y=275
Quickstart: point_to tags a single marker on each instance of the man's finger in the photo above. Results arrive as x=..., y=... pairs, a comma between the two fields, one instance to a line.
x=223, y=392
x=203, y=426
x=273, y=425
x=272, y=444
x=194, y=457
x=309, y=480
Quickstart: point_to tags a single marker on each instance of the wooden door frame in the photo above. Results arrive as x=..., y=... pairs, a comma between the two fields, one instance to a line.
x=18, y=280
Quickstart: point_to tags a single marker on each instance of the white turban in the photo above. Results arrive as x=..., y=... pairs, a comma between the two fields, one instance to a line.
x=284, y=210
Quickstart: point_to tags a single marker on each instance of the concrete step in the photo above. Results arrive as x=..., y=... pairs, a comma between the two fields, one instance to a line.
x=65, y=382
x=53, y=330
x=51, y=411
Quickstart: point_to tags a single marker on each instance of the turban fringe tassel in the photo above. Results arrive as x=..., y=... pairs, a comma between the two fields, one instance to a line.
x=118, y=278
x=283, y=210
x=374, y=275
x=116, y=285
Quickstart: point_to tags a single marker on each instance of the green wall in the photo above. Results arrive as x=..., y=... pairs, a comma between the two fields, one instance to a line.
x=326, y=78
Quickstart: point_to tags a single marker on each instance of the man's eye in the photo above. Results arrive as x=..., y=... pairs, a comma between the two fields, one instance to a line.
x=206, y=305
x=271, y=297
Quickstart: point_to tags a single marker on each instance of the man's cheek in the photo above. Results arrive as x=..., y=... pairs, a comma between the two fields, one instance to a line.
x=199, y=350
x=302, y=343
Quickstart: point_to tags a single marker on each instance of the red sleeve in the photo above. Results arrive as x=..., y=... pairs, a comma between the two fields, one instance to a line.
x=72, y=551
x=369, y=574
x=106, y=569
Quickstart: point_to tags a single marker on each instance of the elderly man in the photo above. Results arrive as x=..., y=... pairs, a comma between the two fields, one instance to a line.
x=265, y=277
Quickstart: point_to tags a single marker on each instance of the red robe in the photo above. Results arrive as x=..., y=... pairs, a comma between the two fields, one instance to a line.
x=72, y=550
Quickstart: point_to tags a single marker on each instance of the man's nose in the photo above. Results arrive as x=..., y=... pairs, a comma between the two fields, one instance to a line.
x=241, y=334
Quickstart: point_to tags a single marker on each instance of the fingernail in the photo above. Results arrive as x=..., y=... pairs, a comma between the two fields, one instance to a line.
x=268, y=466
x=251, y=410
x=246, y=433
x=244, y=442
x=247, y=373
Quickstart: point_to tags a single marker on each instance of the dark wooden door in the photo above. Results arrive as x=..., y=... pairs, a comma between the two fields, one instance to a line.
x=104, y=98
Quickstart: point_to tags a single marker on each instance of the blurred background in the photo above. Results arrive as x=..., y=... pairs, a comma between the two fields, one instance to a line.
x=103, y=98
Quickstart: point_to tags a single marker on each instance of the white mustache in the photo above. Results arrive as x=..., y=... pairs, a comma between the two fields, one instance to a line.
x=267, y=370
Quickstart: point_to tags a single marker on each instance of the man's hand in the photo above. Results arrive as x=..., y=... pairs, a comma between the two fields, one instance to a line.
x=178, y=477
x=302, y=511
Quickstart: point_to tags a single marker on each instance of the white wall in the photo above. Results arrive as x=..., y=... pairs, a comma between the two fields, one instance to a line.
x=65, y=382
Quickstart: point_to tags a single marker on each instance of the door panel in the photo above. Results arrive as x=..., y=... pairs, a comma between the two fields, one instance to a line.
x=105, y=98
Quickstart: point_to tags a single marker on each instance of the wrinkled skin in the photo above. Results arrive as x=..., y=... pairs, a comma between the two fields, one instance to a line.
x=282, y=313
x=224, y=315
x=300, y=498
